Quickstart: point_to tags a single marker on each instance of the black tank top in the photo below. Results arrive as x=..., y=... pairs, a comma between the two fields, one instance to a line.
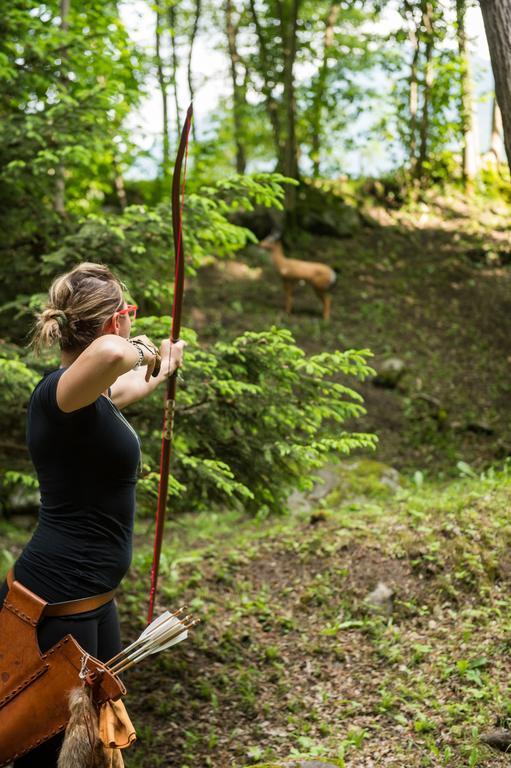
x=86, y=463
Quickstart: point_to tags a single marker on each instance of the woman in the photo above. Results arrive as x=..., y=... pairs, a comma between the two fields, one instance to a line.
x=86, y=456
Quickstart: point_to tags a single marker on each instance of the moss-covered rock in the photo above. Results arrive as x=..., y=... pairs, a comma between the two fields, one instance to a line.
x=390, y=373
x=348, y=479
x=363, y=477
x=302, y=763
x=322, y=212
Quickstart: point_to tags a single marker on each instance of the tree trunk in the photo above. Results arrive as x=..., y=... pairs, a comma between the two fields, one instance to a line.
x=59, y=197
x=119, y=186
x=271, y=104
x=237, y=90
x=288, y=12
x=496, y=130
x=195, y=29
x=163, y=90
x=328, y=40
x=414, y=98
x=467, y=109
x=497, y=24
x=172, y=24
x=427, y=21
x=409, y=11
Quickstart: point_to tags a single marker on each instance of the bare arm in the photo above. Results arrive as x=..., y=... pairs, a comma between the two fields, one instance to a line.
x=94, y=371
x=134, y=385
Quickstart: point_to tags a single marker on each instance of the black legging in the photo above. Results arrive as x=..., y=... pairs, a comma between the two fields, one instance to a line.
x=98, y=634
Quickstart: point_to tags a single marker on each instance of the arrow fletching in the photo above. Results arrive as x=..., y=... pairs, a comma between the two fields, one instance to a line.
x=164, y=632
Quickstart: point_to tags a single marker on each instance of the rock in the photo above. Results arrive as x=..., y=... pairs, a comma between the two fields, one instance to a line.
x=260, y=221
x=318, y=516
x=322, y=212
x=391, y=479
x=366, y=477
x=298, y=501
x=296, y=764
x=381, y=599
x=499, y=739
x=308, y=764
x=489, y=257
x=430, y=407
x=341, y=222
x=502, y=449
x=387, y=191
x=390, y=373
x=22, y=501
x=328, y=480
x=346, y=479
x=479, y=428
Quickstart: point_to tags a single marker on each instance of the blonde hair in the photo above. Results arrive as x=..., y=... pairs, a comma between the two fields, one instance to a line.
x=79, y=304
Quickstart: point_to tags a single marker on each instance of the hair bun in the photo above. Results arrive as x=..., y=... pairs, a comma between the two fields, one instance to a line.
x=80, y=303
x=52, y=313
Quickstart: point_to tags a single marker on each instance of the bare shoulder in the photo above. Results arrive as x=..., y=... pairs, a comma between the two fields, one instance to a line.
x=93, y=372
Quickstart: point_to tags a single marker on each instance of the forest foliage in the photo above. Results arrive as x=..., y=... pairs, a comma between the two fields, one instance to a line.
x=307, y=81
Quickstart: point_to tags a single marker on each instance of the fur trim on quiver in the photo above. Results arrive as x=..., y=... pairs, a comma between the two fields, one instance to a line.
x=82, y=747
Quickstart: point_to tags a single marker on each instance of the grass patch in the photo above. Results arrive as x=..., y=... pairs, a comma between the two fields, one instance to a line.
x=290, y=661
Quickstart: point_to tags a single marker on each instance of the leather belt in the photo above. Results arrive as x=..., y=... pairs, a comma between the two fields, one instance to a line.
x=70, y=607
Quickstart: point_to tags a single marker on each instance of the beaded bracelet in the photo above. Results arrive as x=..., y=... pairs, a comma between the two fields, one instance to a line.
x=140, y=351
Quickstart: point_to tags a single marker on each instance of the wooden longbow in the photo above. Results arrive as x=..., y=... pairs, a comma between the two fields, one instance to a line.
x=178, y=189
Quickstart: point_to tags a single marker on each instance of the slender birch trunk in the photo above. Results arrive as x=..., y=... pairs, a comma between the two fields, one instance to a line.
x=427, y=22
x=173, y=45
x=413, y=103
x=470, y=154
x=496, y=130
x=193, y=35
x=272, y=106
x=119, y=186
x=289, y=27
x=164, y=96
x=317, y=112
x=237, y=89
x=59, y=197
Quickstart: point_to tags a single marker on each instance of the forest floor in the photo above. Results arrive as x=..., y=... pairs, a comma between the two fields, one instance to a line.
x=429, y=285
x=291, y=660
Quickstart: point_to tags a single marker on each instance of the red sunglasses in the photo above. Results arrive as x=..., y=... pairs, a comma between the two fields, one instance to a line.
x=130, y=310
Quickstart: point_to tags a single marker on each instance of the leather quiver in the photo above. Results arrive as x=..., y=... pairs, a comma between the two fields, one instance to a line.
x=35, y=686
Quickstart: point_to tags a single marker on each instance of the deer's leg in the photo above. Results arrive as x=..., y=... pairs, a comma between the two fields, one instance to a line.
x=327, y=303
x=326, y=300
x=288, y=294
